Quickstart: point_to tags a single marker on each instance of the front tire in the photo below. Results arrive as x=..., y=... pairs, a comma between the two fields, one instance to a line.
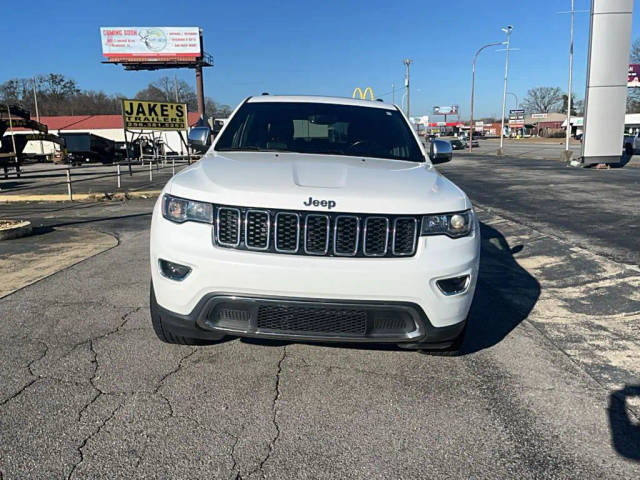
x=161, y=330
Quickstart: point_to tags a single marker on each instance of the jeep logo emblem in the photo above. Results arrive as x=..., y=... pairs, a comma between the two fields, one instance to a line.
x=320, y=203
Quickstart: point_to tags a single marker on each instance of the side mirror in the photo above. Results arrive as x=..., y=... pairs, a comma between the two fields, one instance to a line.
x=440, y=151
x=199, y=138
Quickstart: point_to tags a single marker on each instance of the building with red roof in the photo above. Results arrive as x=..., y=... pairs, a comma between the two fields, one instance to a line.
x=107, y=126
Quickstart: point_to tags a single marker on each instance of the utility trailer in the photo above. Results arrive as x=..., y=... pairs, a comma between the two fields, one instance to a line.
x=12, y=146
x=88, y=147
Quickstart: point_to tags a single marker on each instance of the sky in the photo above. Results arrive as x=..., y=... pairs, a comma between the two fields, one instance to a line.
x=321, y=48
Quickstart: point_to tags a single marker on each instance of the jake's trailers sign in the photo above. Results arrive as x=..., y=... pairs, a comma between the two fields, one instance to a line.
x=150, y=42
x=143, y=115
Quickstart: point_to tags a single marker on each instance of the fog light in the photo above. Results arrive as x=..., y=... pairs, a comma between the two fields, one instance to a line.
x=453, y=285
x=174, y=271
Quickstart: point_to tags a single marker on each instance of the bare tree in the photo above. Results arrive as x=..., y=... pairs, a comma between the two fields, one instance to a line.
x=543, y=100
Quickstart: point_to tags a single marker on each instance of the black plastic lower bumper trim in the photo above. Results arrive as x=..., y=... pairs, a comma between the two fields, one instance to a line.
x=241, y=319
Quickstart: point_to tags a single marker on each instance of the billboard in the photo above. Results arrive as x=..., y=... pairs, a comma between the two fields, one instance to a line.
x=150, y=42
x=633, y=77
x=446, y=110
x=516, y=118
x=143, y=115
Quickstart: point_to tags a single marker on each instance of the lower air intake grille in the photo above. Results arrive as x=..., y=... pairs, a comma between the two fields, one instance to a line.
x=312, y=320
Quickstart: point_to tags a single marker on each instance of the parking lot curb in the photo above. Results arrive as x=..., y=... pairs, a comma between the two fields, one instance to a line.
x=85, y=197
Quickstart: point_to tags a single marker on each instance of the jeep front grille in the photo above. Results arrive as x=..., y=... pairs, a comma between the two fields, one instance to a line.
x=314, y=233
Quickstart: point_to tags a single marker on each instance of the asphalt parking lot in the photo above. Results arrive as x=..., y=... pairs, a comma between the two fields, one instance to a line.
x=548, y=385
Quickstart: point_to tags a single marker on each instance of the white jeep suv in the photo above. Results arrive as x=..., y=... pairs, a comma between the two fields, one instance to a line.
x=314, y=219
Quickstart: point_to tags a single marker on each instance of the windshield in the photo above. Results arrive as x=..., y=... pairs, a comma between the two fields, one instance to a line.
x=321, y=128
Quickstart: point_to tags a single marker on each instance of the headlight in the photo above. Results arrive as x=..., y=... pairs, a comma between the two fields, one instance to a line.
x=454, y=225
x=180, y=210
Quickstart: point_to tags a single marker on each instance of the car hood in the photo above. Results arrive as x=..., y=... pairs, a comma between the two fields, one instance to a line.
x=293, y=181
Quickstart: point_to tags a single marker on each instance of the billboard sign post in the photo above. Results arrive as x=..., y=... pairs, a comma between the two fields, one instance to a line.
x=157, y=48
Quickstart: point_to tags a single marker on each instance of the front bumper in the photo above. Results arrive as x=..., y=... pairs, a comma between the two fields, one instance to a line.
x=377, y=281
x=305, y=320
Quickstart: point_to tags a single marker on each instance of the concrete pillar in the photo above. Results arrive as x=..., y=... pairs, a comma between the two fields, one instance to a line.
x=606, y=92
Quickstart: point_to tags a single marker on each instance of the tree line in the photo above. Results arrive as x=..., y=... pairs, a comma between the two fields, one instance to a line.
x=60, y=95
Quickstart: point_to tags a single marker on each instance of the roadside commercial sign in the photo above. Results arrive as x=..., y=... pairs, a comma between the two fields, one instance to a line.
x=445, y=110
x=516, y=118
x=539, y=115
x=633, y=77
x=479, y=124
x=150, y=42
x=144, y=115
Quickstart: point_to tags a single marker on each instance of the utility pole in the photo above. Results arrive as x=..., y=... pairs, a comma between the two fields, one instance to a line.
x=393, y=93
x=35, y=101
x=407, y=62
x=175, y=86
x=508, y=31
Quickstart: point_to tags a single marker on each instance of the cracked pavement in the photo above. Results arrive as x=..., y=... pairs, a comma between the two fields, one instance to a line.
x=547, y=386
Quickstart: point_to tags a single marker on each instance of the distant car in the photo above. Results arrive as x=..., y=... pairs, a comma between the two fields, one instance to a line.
x=464, y=141
x=631, y=144
x=459, y=144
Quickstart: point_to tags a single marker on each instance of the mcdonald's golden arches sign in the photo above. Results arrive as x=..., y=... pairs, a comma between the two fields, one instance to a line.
x=362, y=95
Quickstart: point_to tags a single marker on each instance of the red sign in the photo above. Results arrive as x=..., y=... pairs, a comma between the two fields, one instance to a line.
x=633, y=77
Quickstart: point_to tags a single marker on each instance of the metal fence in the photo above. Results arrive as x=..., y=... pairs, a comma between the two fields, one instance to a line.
x=146, y=166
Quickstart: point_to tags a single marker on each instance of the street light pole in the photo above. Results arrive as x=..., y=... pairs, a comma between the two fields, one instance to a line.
x=508, y=31
x=568, y=132
x=514, y=96
x=473, y=83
